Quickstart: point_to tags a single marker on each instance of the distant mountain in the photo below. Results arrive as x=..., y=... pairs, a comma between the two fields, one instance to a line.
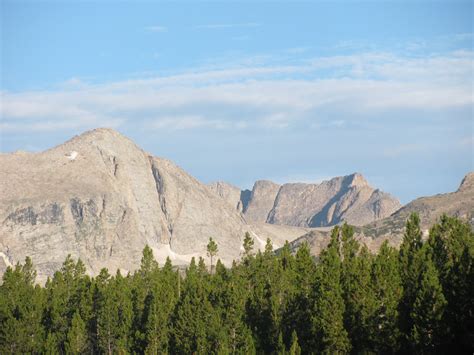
x=346, y=198
x=101, y=198
x=458, y=204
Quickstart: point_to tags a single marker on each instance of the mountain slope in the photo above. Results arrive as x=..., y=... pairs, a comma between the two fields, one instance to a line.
x=101, y=198
x=459, y=204
x=346, y=198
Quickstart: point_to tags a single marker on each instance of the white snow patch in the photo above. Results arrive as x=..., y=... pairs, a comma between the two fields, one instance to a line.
x=5, y=259
x=259, y=240
x=72, y=155
x=164, y=251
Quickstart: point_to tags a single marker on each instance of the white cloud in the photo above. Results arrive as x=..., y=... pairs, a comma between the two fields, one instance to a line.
x=217, y=26
x=322, y=92
x=157, y=28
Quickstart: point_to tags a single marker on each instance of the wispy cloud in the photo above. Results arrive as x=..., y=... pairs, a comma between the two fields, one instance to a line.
x=217, y=26
x=326, y=92
x=157, y=28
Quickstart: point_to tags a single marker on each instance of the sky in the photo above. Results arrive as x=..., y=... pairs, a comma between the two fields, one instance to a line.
x=242, y=91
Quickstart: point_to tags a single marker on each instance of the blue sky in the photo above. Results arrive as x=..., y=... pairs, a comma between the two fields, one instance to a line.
x=251, y=90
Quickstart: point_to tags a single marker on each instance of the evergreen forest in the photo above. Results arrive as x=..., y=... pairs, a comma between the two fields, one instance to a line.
x=417, y=299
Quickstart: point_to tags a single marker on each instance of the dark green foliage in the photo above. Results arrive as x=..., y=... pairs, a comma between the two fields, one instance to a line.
x=387, y=287
x=212, y=251
x=328, y=316
x=415, y=300
x=76, y=342
x=21, y=307
x=248, y=244
x=428, y=309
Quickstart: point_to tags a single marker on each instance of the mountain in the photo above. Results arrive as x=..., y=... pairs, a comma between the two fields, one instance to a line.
x=458, y=204
x=229, y=193
x=101, y=198
x=346, y=198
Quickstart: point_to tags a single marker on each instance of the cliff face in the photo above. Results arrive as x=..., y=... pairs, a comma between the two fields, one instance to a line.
x=346, y=198
x=459, y=203
x=101, y=198
x=261, y=201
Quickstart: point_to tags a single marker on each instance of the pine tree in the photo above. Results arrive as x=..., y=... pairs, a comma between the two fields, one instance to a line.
x=268, y=247
x=114, y=315
x=295, y=348
x=387, y=286
x=298, y=313
x=410, y=261
x=196, y=326
x=76, y=342
x=21, y=305
x=248, y=244
x=360, y=300
x=328, y=318
x=428, y=308
x=452, y=249
x=212, y=251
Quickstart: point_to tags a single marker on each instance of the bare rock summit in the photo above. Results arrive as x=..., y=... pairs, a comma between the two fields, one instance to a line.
x=101, y=198
x=346, y=198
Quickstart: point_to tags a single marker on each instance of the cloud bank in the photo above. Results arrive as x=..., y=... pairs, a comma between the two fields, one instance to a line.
x=312, y=93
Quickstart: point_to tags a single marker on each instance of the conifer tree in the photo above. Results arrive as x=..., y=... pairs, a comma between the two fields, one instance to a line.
x=114, y=316
x=268, y=247
x=360, y=301
x=410, y=260
x=212, y=251
x=196, y=326
x=295, y=348
x=387, y=287
x=76, y=342
x=328, y=318
x=298, y=313
x=248, y=244
x=21, y=305
x=452, y=249
x=427, y=310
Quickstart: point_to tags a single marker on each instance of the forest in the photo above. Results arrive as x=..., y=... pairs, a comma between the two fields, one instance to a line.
x=418, y=299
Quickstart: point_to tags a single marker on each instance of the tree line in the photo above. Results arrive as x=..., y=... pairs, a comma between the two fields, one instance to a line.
x=416, y=299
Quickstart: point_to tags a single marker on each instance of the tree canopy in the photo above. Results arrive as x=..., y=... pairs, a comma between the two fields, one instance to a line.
x=418, y=299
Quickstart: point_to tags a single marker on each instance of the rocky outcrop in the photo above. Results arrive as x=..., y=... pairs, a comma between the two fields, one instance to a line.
x=261, y=201
x=103, y=204
x=458, y=204
x=346, y=198
x=230, y=193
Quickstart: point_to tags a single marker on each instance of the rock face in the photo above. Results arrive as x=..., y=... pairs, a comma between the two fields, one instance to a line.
x=230, y=193
x=101, y=198
x=347, y=198
x=261, y=201
x=458, y=204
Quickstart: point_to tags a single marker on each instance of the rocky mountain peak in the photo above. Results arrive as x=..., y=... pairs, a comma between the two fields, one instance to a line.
x=357, y=180
x=467, y=183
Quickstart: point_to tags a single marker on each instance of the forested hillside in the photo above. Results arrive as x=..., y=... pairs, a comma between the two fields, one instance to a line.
x=418, y=299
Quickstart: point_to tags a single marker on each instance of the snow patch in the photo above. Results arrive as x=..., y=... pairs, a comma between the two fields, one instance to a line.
x=164, y=251
x=260, y=240
x=72, y=155
x=5, y=258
